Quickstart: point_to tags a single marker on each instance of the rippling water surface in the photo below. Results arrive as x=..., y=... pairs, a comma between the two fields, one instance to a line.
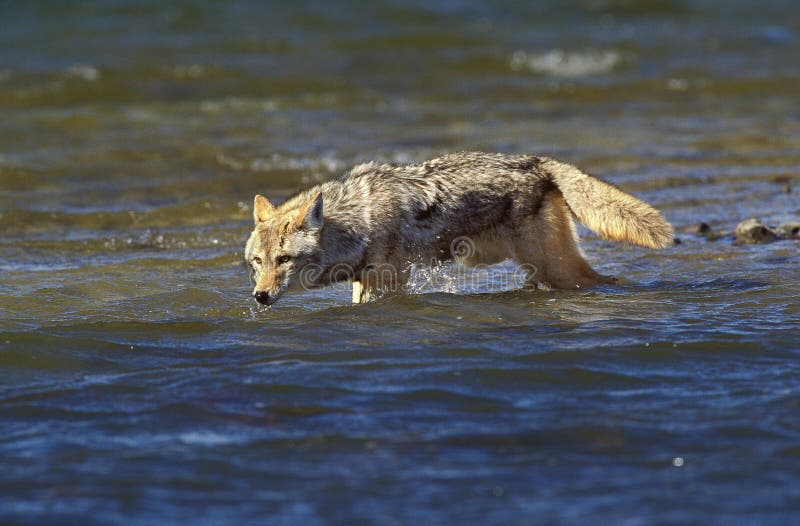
x=140, y=384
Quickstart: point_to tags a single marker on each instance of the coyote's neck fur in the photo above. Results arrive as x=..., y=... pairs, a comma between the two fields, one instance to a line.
x=370, y=224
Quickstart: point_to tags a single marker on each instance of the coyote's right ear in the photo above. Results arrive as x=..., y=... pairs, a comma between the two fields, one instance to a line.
x=262, y=209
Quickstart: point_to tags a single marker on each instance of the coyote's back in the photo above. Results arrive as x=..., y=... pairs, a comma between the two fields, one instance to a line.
x=470, y=191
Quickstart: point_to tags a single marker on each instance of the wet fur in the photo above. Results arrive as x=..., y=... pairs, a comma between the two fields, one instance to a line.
x=386, y=216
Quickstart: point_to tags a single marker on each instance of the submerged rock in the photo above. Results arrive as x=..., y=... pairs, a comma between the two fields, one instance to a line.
x=697, y=228
x=790, y=230
x=702, y=228
x=785, y=181
x=717, y=234
x=752, y=230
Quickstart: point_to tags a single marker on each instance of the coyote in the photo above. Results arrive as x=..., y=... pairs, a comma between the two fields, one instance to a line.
x=371, y=224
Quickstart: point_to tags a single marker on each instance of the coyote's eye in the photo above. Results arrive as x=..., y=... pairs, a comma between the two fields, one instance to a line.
x=257, y=260
x=280, y=260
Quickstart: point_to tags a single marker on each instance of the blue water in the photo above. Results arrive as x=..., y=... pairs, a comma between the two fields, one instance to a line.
x=140, y=384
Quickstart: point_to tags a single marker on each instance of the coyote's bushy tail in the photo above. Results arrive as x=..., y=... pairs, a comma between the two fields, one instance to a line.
x=607, y=210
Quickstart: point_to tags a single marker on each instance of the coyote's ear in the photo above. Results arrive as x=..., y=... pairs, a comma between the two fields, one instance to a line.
x=262, y=209
x=310, y=214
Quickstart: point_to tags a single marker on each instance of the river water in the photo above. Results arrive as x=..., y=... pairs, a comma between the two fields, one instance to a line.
x=140, y=384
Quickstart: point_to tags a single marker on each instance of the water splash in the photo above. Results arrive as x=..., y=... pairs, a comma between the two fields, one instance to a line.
x=453, y=278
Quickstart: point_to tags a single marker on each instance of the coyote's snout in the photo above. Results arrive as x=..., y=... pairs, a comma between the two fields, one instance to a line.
x=371, y=224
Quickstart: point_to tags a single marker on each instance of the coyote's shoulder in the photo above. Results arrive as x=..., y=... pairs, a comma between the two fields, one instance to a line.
x=508, y=206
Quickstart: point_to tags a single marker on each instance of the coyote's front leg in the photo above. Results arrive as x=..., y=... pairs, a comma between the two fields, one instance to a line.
x=379, y=281
x=361, y=293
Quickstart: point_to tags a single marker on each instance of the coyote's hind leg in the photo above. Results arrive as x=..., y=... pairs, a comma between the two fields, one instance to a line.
x=548, y=244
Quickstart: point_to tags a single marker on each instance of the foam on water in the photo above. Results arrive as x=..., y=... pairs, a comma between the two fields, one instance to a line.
x=560, y=63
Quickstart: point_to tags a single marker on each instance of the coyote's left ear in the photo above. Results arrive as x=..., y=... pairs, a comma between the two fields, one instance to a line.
x=262, y=209
x=310, y=214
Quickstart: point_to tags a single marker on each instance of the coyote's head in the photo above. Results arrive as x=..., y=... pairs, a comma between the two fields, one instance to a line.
x=284, y=246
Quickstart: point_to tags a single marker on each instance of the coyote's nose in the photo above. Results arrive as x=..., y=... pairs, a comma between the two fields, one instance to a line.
x=262, y=297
